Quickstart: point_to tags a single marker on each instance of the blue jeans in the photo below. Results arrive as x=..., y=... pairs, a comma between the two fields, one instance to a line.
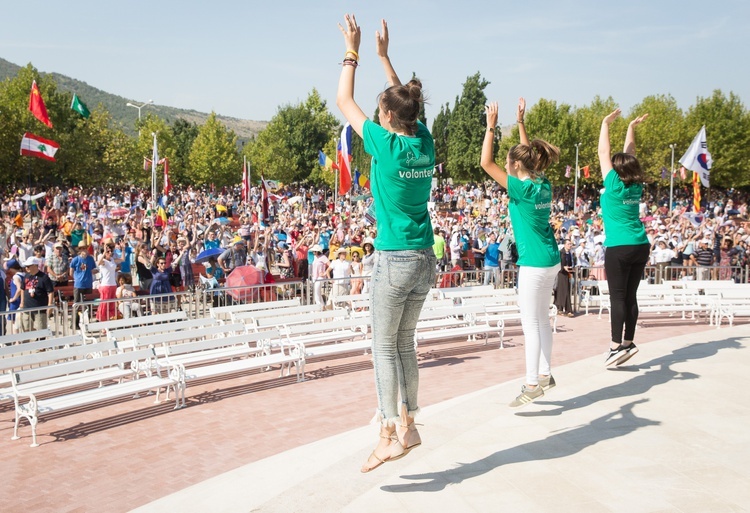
x=400, y=283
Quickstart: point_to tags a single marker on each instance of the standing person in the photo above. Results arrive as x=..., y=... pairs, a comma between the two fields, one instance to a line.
x=626, y=241
x=58, y=265
x=368, y=262
x=403, y=162
x=82, y=272
x=491, y=253
x=160, y=285
x=439, y=247
x=107, y=265
x=530, y=203
x=562, y=290
x=319, y=267
x=356, y=273
x=340, y=270
x=37, y=292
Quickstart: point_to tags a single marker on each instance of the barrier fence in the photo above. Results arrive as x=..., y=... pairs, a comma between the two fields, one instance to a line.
x=197, y=303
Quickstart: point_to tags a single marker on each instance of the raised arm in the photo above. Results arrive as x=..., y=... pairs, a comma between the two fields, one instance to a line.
x=345, y=95
x=520, y=111
x=487, y=160
x=605, y=159
x=630, y=137
x=381, y=46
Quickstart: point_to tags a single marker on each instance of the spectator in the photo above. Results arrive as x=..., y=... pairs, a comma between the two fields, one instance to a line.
x=37, y=292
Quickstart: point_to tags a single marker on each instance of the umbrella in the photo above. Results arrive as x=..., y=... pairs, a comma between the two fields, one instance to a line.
x=568, y=223
x=221, y=208
x=294, y=199
x=244, y=276
x=119, y=212
x=204, y=255
x=222, y=220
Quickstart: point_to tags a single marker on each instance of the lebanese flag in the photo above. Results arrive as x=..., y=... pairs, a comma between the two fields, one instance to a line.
x=35, y=146
x=167, y=183
x=345, y=158
x=37, y=107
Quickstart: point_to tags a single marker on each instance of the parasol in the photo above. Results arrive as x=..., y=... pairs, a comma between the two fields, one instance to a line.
x=244, y=276
x=206, y=254
x=119, y=212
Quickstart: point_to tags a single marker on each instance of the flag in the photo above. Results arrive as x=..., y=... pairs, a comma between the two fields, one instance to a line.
x=273, y=185
x=35, y=146
x=167, y=183
x=586, y=172
x=345, y=158
x=146, y=164
x=362, y=180
x=161, y=215
x=696, y=193
x=245, y=181
x=664, y=173
x=325, y=161
x=683, y=173
x=37, y=107
x=264, y=196
x=697, y=158
x=80, y=107
x=567, y=171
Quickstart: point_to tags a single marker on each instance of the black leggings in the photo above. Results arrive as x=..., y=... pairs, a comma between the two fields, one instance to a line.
x=624, y=266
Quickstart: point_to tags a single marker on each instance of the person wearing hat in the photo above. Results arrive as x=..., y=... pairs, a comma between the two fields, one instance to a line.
x=318, y=272
x=58, y=265
x=286, y=262
x=368, y=261
x=340, y=270
x=37, y=292
x=82, y=272
x=235, y=256
x=15, y=273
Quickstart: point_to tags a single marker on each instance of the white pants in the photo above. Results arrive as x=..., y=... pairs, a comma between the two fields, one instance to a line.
x=318, y=291
x=534, y=296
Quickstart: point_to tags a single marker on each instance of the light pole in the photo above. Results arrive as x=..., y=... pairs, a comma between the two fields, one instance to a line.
x=139, y=107
x=575, y=191
x=671, y=178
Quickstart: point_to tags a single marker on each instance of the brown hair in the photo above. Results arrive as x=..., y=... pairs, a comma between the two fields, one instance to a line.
x=404, y=103
x=536, y=157
x=627, y=167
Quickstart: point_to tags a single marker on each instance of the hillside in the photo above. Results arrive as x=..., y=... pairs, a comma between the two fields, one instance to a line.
x=126, y=116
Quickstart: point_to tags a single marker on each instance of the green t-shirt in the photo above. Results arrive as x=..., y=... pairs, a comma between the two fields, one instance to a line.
x=439, y=246
x=622, y=224
x=401, y=179
x=529, y=206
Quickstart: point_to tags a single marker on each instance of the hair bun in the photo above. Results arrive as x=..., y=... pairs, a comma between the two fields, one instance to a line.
x=415, y=89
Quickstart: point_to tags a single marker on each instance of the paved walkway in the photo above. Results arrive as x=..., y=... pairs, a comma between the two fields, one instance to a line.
x=131, y=453
x=668, y=433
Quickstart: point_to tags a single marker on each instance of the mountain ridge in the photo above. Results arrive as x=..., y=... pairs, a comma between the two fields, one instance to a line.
x=127, y=116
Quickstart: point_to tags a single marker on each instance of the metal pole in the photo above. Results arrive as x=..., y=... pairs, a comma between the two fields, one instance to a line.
x=575, y=192
x=671, y=179
x=336, y=183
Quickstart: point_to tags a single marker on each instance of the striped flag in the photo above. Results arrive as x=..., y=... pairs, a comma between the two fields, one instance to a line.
x=325, y=161
x=345, y=158
x=35, y=146
x=567, y=171
x=245, y=181
x=696, y=193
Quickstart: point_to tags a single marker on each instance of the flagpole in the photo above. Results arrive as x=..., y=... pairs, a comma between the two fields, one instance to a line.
x=575, y=191
x=336, y=182
x=671, y=179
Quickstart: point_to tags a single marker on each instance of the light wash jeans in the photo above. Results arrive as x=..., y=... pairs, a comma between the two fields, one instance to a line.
x=534, y=295
x=399, y=285
x=492, y=273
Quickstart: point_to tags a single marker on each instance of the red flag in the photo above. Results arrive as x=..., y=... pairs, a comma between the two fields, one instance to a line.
x=146, y=164
x=167, y=183
x=696, y=193
x=264, y=188
x=586, y=172
x=37, y=107
x=245, y=183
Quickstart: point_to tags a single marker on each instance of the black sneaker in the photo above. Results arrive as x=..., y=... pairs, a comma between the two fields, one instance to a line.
x=614, y=355
x=629, y=353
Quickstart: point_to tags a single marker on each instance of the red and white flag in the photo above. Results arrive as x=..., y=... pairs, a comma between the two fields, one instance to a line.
x=245, y=182
x=167, y=183
x=35, y=146
x=37, y=107
x=146, y=164
x=264, y=196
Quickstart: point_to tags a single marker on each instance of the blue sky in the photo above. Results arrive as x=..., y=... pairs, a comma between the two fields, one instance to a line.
x=247, y=58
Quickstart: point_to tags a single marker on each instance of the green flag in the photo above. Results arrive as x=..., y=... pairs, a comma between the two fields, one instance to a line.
x=80, y=107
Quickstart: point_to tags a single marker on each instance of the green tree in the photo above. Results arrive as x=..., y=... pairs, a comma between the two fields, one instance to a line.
x=214, y=157
x=287, y=149
x=466, y=131
x=440, y=134
x=183, y=134
x=727, y=136
x=588, y=121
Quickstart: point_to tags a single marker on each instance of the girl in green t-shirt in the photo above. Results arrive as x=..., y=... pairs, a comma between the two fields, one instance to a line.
x=403, y=160
x=530, y=195
x=626, y=241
